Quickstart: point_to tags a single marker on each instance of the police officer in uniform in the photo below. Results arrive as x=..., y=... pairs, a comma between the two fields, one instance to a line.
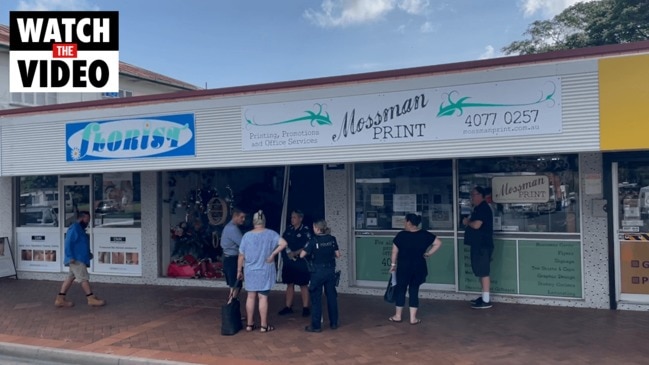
x=323, y=251
x=294, y=269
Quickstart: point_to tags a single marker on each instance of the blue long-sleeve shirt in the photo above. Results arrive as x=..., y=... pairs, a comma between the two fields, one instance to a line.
x=77, y=245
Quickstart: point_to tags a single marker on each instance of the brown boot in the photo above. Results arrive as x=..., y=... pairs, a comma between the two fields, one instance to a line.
x=61, y=302
x=93, y=301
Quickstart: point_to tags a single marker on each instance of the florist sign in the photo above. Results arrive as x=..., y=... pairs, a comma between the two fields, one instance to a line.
x=503, y=109
x=161, y=136
x=520, y=189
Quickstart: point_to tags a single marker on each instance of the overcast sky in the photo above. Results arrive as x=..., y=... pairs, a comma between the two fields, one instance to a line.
x=241, y=42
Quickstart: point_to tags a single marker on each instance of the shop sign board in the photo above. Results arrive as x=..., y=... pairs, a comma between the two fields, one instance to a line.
x=145, y=137
x=503, y=268
x=500, y=109
x=550, y=268
x=373, y=260
x=634, y=265
x=39, y=249
x=622, y=118
x=528, y=267
x=520, y=189
x=118, y=252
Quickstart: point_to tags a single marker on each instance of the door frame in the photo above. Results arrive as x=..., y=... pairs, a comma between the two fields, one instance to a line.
x=73, y=181
x=611, y=194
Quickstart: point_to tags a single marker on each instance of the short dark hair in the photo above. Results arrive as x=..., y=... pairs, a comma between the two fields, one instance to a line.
x=298, y=212
x=83, y=213
x=413, y=218
x=480, y=190
x=236, y=211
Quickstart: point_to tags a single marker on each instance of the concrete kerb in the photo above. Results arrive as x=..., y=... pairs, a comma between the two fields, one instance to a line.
x=77, y=357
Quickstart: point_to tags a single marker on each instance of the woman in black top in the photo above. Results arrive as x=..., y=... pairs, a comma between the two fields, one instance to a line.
x=410, y=248
x=323, y=251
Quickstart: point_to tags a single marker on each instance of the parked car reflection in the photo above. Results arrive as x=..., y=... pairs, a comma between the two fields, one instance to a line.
x=38, y=216
x=107, y=206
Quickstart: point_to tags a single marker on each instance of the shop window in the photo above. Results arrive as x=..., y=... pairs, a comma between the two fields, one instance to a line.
x=38, y=201
x=633, y=192
x=117, y=200
x=34, y=99
x=198, y=204
x=527, y=194
x=386, y=192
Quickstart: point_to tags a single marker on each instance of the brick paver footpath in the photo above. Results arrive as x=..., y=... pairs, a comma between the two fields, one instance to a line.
x=182, y=324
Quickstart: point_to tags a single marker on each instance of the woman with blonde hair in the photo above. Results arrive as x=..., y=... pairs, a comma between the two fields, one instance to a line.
x=257, y=265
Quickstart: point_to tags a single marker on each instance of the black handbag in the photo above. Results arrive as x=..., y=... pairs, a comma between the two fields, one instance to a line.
x=231, y=317
x=389, y=291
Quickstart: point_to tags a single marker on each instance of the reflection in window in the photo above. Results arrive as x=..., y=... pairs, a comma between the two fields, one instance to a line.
x=38, y=200
x=117, y=200
x=386, y=192
x=633, y=192
x=528, y=193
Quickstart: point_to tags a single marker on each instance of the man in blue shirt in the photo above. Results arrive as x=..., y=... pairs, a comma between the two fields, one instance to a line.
x=230, y=242
x=77, y=257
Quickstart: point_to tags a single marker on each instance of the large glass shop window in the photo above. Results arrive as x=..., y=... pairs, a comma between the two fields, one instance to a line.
x=633, y=223
x=117, y=200
x=536, y=222
x=198, y=204
x=39, y=201
x=386, y=192
x=527, y=194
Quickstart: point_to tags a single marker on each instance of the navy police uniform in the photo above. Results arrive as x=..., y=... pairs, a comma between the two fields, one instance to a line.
x=294, y=271
x=322, y=251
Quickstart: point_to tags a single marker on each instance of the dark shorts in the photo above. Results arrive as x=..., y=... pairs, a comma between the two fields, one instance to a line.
x=230, y=270
x=295, y=272
x=481, y=260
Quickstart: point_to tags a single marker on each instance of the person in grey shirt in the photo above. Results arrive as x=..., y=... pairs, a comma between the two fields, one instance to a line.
x=230, y=242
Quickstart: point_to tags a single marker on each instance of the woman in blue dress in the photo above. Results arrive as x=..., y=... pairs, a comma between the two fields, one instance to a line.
x=257, y=264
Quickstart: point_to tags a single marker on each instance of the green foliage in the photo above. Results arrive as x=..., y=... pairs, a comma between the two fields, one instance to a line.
x=586, y=24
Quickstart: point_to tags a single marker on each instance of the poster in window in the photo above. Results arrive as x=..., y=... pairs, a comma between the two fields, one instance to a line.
x=441, y=216
x=372, y=219
x=39, y=249
x=404, y=202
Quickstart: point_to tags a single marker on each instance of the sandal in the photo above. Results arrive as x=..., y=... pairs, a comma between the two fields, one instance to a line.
x=392, y=319
x=250, y=327
x=268, y=328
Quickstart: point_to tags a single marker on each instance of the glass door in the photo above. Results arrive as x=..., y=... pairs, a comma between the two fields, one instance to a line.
x=74, y=197
x=631, y=224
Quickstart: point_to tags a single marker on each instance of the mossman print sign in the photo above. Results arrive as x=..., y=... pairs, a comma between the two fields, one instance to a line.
x=503, y=109
x=520, y=189
x=159, y=136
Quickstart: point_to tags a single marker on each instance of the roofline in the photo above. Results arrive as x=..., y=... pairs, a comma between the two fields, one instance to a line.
x=183, y=87
x=563, y=55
